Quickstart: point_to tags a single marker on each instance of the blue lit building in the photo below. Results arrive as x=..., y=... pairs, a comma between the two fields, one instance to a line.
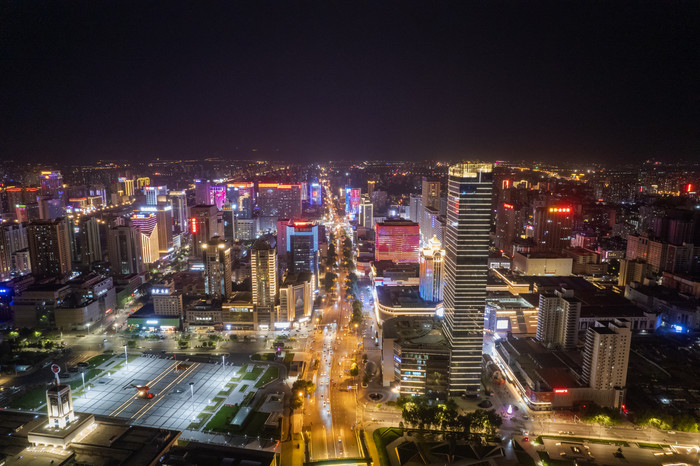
x=302, y=249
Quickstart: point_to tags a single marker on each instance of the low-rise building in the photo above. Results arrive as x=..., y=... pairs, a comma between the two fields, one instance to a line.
x=415, y=356
x=395, y=301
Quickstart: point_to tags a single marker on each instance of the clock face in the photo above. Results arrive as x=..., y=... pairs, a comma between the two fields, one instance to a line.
x=55, y=368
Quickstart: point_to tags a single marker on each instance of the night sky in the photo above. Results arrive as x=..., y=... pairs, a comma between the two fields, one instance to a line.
x=327, y=80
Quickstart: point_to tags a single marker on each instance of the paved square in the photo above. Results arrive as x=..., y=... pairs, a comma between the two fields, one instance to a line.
x=173, y=406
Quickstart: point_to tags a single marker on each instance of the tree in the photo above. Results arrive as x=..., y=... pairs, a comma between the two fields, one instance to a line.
x=329, y=281
x=354, y=370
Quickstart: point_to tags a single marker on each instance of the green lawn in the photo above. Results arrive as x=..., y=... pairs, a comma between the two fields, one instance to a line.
x=254, y=374
x=223, y=417
x=270, y=374
x=243, y=387
x=263, y=357
x=253, y=426
x=99, y=359
x=30, y=399
x=651, y=445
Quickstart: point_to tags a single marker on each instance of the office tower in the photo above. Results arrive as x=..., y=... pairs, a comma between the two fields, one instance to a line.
x=315, y=193
x=164, y=217
x=51, y=183
x=217, y=196
x=353, y=198
x=50, y=208
x=124, y=249
x=245, y=229
x=431, y=194
x=201, y=191
x=88, y=239
x=431, y=271
x=166, y=301
x=148, y=226
x=49, y=248
x=366, y=217
x=552, y=226
x=282, y=224
x=466, y=267
x=13, y=238
x=152, y=193
x=205, y=223
x=511, y=219
x=178, y=201
x=242, y=198
x=302, y=249
x=126, y=186
x=379, y=201
x=415, y=208
x=27, y=212
x=279, y=200
x=216, y=255
x=263, y=264
x=557, y=319
x=397, y=240
x=606, y=355
x=163, y=213
x=370, y=188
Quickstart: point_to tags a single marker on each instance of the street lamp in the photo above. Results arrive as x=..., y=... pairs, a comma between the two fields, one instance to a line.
x=126, y=358
x=83, y=375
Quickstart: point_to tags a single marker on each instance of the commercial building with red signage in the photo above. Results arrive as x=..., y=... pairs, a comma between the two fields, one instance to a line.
x=397, y=240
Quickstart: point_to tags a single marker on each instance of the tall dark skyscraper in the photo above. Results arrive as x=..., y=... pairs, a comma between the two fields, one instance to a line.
x=49, y=248
x=466, y=266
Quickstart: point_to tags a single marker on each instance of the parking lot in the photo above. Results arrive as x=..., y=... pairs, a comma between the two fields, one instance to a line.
x=181, y=390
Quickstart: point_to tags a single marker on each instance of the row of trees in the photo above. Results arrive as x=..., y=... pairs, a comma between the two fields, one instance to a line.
x=300, y=389
x=421, y=413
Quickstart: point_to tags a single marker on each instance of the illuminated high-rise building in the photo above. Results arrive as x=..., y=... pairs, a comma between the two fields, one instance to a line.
x=397, y=240
x=124, y=249
x=217, y=196
x=558, y=318
x=49, y=248
x=51, y=183
x=50, y=207
x=88, y=239
x=152, y=193
x=241, y=195
x=178, y=201
x=279, y=200
x=302, y=249
x=315, y=193
x=606, y=356
x=431, y=194
x=263, y=264
x=353, y=198
x=126, y=186
x=216, y=256
x=469, y=194
x=366, y=217
x=201, y=191
x=148, y=226
x=431, y=271
x=205, y=222
x=553, y=225
x=13, y=238
x=370, y=188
